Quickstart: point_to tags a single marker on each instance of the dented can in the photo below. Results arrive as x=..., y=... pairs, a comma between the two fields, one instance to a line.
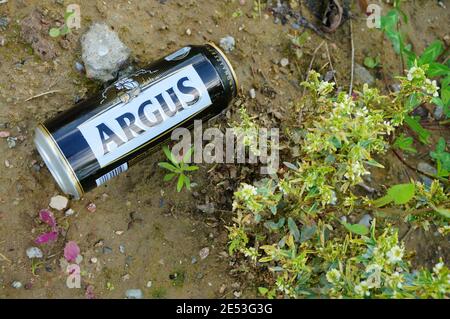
x=101, y=137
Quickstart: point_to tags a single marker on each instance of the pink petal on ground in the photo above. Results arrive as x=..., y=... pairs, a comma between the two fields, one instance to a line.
x=71, y=251
x=47, y=217
x=46, y=237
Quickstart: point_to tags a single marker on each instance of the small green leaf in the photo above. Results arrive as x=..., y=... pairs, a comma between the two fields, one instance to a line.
x=54, y=32
x=180, y=182
x=431, y=53
x=371, y=63
x=424, y=135
x=191, y=168
x=402, y=193
x=187, y=182
x=405, y=143
x=68, y=14
x=275, y=226
x=439, y=154
x=356, y=228
x=383, y=201
x=65, y=30
x=169, y=177
x=168, y=166
x=437, y=69
x=293, y=229
x=307, y=232
x=188, y=154
x=169, y=155
x=263, y=291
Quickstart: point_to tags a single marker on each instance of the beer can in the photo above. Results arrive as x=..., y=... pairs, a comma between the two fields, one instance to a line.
x=102, y=136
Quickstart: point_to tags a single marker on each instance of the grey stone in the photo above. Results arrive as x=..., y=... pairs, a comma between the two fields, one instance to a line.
x=12, y=142
x=34, y=252
x=366, y=220
x=16, y=284
x=228, y=43
x=284, y=62
x=103, y=52
x=252, y=93
x=362, y=75
x=134, y=294
x=122, y=249
x=107, y=250
x=438, y=113
x=4, y=22
x=426, y=168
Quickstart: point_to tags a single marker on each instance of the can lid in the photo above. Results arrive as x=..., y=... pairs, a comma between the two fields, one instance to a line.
x=57, y=163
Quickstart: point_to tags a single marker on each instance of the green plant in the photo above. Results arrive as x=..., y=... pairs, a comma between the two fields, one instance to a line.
x=372, y=63
x=289, y=226
x=405, y=143
x=56, y=32
x=178, y=167
x=442, y=158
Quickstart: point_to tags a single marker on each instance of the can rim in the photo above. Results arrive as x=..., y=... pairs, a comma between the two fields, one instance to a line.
x=57, y=163
x=222, y=54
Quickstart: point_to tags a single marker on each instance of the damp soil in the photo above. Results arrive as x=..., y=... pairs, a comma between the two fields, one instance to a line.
x=162, y=231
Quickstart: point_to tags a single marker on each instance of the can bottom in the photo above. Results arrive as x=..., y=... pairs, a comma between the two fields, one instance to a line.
x=56, y=162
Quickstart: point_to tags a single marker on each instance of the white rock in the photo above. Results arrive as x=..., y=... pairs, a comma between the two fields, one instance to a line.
x=204, y=252
x=69, y=212
x=16, y=284
x=59, y=202
x=149, y=284
x=252, y=93
x=227, y=43
x=34, y=252
x=284, y=62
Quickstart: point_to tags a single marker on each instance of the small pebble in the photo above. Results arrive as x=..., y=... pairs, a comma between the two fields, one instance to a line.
x=107, y=250
x=79, y=66
x=438, y=113
x=94, y=260
x=204, y=252
x=4, y=134
x=227, y=43
x=11, y=141
x=366, y=220
x=16, y=284
x=122, y=249
x=69, y=212
x=79, y=259
x=284, y=62
x=188, y=32
x=134, y=294
x=34, y=252
x=193, y=260
x=59, y=202
x=252, y=93
x=149, y=284
x=91, y=207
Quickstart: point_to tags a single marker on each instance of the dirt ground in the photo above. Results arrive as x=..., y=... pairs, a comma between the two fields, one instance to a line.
x=162, y=230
